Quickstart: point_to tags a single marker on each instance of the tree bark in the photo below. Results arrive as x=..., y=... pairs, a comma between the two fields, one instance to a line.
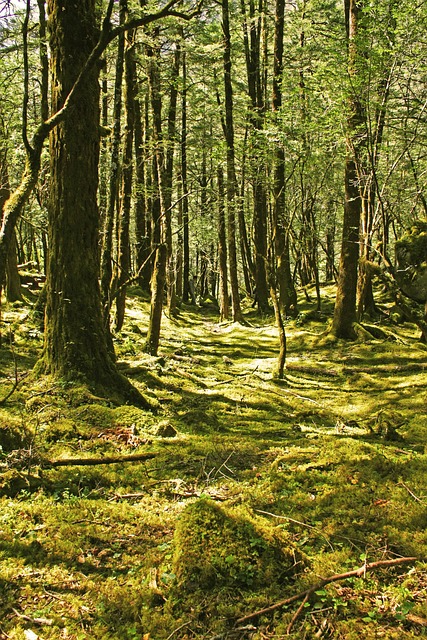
x=345, y=303
x=157, y=291
x=113, y=185
x=75, y=337
x=231, y=168
x=287, y=298
x=224, y=307
x=184, y=181
x=123, y=248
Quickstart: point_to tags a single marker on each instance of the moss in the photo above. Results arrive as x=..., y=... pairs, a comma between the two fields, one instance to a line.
x=12, y=482
x=13, y=434
x=218, y=547
x=413, y=244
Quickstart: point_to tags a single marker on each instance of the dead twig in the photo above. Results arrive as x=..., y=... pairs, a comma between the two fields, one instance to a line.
x=402, y=484
x=40, y=621
x=361, y=571
x=302, y=524
x=178, y=629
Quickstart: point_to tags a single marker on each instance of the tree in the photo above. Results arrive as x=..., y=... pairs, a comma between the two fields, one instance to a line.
x=345, y=303
x=231, y=181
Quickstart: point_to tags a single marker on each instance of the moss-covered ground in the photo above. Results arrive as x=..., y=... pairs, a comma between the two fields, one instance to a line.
x=257, y=490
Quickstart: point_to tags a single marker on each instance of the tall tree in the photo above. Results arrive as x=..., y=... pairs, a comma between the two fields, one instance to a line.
x=345, y=303
x=75, y=336
x=231, y=165
x=254, y=35
x=287, y=298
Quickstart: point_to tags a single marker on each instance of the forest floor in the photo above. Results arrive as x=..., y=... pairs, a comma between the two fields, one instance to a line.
x=258, y=489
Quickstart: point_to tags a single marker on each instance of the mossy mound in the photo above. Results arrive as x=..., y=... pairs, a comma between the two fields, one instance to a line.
x=219, y=548
x=13, y=435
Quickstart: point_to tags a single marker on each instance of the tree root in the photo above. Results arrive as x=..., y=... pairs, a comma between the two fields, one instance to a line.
x=305, y=595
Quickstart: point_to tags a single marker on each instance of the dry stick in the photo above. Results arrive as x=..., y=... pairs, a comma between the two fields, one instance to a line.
x=303, y=524
x=296, y=614
x=335, y=578
x=65, y=462
x=402, y=484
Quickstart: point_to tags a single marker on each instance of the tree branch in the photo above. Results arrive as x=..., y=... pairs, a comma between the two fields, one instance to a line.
x=67, y=462
x=361, y=571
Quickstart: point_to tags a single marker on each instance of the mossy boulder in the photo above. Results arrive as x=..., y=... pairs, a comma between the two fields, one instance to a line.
x=218, y=547
x=13, y=435
x=411, y=257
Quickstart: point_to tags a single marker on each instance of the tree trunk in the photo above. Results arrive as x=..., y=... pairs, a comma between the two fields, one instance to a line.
x=142, y=220
x=113, y=186
x=157, y=292
x=13, y=283
x=123, y=246
x=345, y=303
x=287, y=298
x=173, y=97
x=75, y=336
x=184, y=181
x=252, y=39
x=231, y=170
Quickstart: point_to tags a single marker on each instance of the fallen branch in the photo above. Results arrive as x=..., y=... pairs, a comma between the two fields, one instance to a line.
x=361, y=571
x=66, y=462
x=411, y=493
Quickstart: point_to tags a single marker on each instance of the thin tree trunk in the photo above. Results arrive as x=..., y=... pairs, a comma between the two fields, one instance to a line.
x=184, y=180
x=231, y=170
x=13, y=283
x=142, y=220
x=108, y=234
x=252, y=40
x=173, y=97
x=287, y=297
x=157, y=291
x=224, y=307
x=345, y=303
x=123, y=248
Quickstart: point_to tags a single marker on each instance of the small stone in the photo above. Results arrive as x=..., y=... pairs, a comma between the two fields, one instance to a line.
x=166, y=430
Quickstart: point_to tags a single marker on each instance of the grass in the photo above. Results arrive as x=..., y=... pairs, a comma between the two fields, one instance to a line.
x=258, y=487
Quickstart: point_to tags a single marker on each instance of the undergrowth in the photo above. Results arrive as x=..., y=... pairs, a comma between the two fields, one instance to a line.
x=257, y=489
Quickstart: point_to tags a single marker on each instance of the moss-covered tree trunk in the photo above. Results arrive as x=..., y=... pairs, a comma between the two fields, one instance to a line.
x=13, y=283
x=157, y=291
x=75, y=336
x=345, y=303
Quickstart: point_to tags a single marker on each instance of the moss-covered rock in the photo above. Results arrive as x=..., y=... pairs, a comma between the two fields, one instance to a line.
x=217, y=547
x=411, y=256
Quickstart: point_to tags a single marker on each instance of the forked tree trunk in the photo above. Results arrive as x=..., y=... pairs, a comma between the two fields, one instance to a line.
x=184, y=181
x=113, y=184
